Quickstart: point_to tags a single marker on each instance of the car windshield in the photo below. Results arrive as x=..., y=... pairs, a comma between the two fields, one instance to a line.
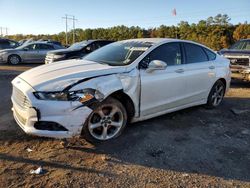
x=119, y=53
x=78, y=45
x=241, y=45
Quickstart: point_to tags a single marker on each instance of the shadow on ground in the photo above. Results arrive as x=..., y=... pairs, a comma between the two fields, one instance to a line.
x=195, y=140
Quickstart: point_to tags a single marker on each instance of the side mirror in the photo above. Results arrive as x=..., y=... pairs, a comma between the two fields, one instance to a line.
x=88, y=49
x=156, y=65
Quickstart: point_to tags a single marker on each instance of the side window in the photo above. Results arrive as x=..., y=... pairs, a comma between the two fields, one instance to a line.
x=211, y=55
x=4, y=44
x=92, y=47
x=98, y=45
x=30, y=47
x=13, y=44
x=103, y=43
x=45, y=47
x=194, y=53
x=89, y=48
x=169, y=53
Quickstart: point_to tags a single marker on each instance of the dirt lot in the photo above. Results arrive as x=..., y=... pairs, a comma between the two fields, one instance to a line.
x=195, y=147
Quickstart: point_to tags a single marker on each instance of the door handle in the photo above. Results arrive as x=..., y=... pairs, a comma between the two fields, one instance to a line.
x=211, y=67
x=179, y=71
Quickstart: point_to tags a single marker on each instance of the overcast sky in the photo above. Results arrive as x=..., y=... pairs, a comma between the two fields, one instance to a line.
x=45, y=16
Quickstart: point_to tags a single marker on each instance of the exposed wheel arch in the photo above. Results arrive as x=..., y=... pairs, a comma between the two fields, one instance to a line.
x=223, y=81
x=126, y=102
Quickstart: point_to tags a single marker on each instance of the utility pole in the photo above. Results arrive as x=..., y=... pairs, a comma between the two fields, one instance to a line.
x=69, y=17
x=66, y=34
x=74, y=29
x=2, y=31
x=6, y=31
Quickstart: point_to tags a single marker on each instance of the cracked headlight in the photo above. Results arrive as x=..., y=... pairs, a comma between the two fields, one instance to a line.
x=80, y=95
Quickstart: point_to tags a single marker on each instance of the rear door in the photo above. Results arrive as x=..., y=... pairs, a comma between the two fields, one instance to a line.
x=200, y=72
x=43, y=49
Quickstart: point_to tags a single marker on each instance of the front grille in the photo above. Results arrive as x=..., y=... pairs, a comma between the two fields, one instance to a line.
x=20, y=118
x=49, y=58
x=239, y=61
x=20, y=98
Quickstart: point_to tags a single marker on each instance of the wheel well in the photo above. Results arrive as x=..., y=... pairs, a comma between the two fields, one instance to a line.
x=126, y=102
x=14, y=55
x=223, y=81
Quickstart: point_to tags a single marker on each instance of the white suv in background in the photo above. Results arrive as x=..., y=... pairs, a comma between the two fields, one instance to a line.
x=123, y=82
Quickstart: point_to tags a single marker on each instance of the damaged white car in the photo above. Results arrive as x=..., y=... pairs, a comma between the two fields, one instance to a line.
x=123, y=82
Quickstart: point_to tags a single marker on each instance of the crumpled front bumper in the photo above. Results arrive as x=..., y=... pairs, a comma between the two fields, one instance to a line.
x=63, y=113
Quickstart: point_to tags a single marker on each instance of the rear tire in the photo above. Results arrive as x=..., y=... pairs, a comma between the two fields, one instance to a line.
x=107, y=121
x=216, y=94
x=14, y=59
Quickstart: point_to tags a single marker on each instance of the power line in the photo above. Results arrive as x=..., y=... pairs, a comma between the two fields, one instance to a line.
x=69, y=17
x=2, y=31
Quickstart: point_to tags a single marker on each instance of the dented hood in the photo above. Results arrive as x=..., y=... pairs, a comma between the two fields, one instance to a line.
x=57, y=76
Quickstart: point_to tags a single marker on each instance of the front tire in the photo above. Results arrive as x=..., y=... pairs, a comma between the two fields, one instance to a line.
x=14, y=59
x=216, y=94
x=107, y=121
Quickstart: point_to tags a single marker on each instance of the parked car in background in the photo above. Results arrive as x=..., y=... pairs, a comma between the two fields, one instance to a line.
x=126, y=81
x=50, y=41
x=75, y=51
x=239, y=56
x=8, y=44
x=28, y=53
x=25, y=41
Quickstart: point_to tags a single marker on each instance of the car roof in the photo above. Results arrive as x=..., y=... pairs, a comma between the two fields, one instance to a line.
x=96, y=40
x=155, y=41
x=151, y=40
x=40, y=43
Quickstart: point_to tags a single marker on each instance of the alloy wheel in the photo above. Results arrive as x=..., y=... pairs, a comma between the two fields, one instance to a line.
x=105, y=122
x=14, y=60
x=218, y=95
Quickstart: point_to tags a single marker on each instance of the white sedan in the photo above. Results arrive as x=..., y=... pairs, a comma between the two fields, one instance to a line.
x=126, y=81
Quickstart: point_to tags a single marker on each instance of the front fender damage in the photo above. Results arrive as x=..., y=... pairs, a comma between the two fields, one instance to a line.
x=104, y=86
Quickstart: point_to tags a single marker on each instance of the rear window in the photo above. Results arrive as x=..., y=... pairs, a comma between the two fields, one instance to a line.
x=45, y=47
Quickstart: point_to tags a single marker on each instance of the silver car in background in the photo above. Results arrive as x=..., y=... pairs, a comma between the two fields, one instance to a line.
x=34, y=52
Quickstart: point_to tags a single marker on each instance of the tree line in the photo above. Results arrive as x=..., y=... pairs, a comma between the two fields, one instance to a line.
x=215, y=32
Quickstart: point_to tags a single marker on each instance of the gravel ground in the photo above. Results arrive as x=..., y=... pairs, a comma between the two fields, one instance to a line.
x=195, y=147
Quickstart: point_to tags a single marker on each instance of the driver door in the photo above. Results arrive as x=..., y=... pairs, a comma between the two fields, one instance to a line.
x=43, y=49
x=30, y=53
x=162, y=90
